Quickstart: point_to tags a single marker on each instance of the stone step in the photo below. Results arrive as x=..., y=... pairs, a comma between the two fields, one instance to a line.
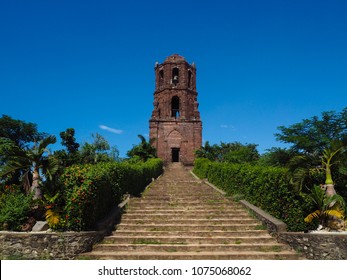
x=184, y=215
x=191, y=227
x=186, y=203
x=184, y=221
x=183, y=210
x=205, y=255
x=164, y=247
x=207, y=199
x=183, y=239
x=191, y=206
x=218, y=234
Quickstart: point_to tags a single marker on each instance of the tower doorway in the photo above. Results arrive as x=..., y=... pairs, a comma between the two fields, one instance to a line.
x=175, y=153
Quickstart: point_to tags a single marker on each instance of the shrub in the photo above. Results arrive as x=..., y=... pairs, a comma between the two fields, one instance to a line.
x=14, y=209
x=266, y=187
x=91, y=191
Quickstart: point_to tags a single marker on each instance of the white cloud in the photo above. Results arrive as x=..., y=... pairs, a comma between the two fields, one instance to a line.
x=227, y=126
x=110, y=129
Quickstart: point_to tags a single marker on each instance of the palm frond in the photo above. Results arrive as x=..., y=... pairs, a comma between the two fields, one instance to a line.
x=333, y=213
x=313, y=215
x=52, y=218
x=50, y=166
x=51, y=139
x=13, y=166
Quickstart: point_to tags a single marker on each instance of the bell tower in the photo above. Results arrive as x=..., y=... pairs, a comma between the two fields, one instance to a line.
x=175, y=124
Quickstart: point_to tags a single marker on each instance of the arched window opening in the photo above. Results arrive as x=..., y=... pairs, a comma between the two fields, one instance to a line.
x=175, y=75
x=189, y=79
x=161, y=77
x=175, y=107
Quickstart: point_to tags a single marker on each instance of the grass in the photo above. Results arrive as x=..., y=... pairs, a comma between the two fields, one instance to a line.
x=274, y=248
x=173, y=204
x=212, y=201
x=146, y=242
x=171, y=250
x=237, y=197
x=156, y=242
x=238, y=241
x=261, y=227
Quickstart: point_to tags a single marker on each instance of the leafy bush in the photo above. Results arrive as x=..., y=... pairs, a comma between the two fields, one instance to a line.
x=14, y=209
x=266, y=187
x=91, y=191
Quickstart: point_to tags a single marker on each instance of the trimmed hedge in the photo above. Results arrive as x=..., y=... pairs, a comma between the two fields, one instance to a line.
x=266, y=187
x=91, y=191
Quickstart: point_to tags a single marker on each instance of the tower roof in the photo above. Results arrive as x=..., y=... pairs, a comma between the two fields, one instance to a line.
x=175, y=58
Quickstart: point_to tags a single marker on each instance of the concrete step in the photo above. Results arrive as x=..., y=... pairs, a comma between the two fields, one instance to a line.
x=164, y=247
x=186, y=239
x=177, y=207
x=218, y=234
x=184, y=210
x=205, y=255
x=147, y=220
x=191, y=227
x=185, y=215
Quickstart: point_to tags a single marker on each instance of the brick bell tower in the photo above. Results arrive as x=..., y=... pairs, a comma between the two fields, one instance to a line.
x=175, y=124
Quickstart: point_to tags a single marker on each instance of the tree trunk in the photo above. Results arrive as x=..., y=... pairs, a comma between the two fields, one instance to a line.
x=329, y=183
x=35, y=186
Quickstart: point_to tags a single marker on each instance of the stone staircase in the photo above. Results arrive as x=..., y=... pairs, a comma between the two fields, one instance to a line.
x=180, y=217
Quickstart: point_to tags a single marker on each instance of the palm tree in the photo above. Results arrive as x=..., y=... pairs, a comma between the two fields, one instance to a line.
x=324, y=211
x=144, y=150
x=32, y=162
x=303, y=166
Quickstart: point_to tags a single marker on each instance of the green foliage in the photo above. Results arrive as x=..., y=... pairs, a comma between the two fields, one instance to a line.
x=14, y=209
x=266, y=187
x=98, y=151
x=69, y=140
x=33, y=161
x=276, y=157
x=324, y=208
x=142, y=151
x=229, y=152
x=20, y=132
x=91, y=191
x=312, y=136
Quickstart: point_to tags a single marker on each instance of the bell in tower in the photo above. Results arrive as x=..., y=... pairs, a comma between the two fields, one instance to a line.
x=175, y=124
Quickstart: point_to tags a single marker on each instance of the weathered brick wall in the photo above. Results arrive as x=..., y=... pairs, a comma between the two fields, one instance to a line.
x=184, y=130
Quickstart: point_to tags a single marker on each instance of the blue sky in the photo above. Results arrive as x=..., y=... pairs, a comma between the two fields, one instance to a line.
x=90, y=64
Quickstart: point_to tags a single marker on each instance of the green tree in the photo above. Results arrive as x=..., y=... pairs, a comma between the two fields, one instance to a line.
x=239, y=153
x=277, y=157
x=312, y=136
x=303, y=166
x=69, y=140
x=234, y=152
x=34, y=161
x=318, y=144
x=144, y=150
x=69, y=156
x=98, y=151
x=16, y=133
x=20, y=132
x=210, y=152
